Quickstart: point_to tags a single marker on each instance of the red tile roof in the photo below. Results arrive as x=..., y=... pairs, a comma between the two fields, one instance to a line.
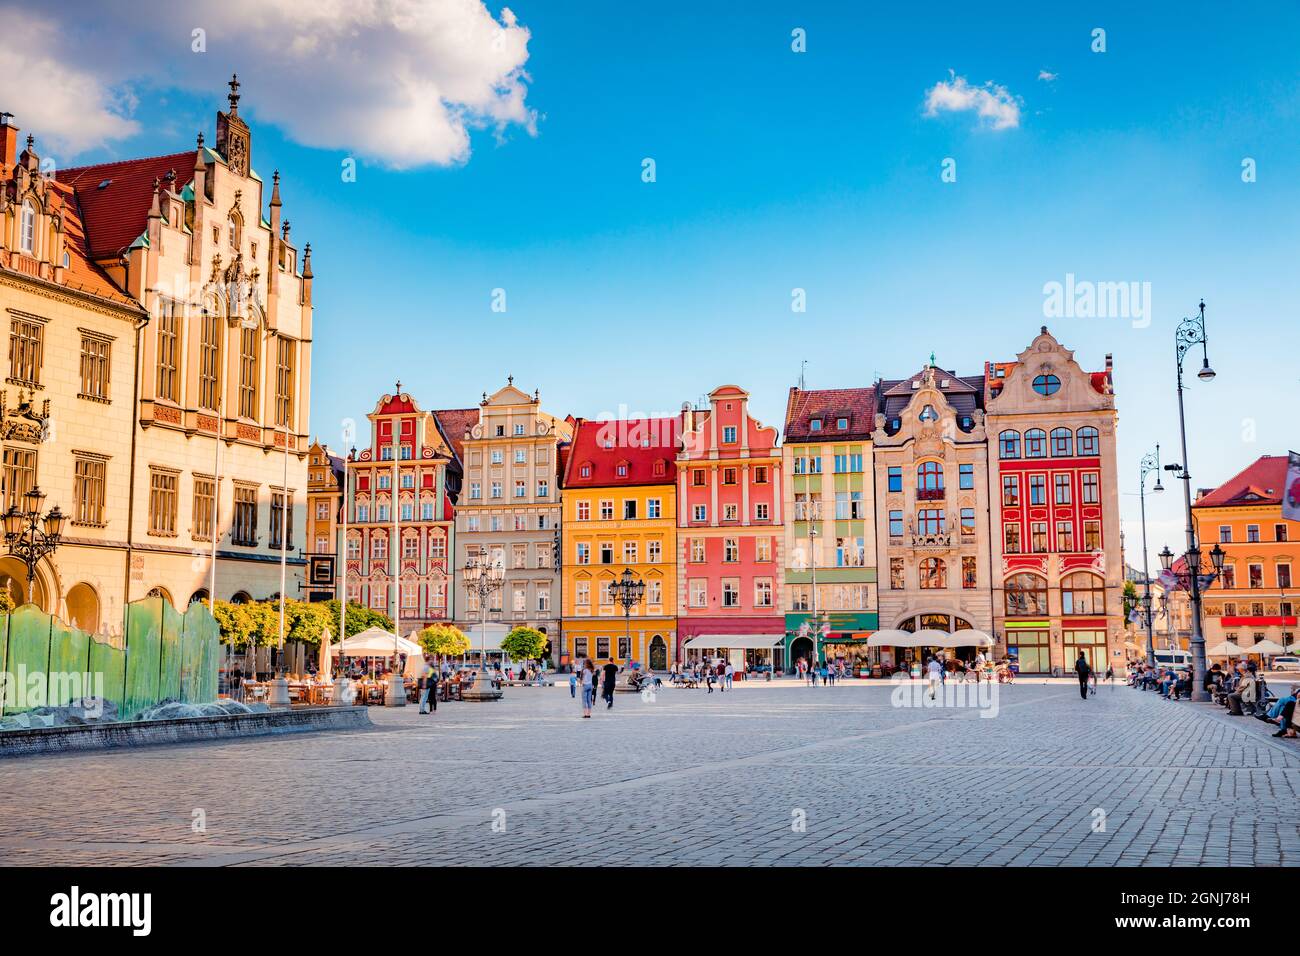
x=1260, y=483
x=454, y=422
x=858, y=405
x=115, y=216
x=643, y=444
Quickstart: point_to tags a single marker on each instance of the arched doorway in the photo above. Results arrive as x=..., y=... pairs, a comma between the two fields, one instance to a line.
x=658, y=653
x=802, y=647
x=13, y=579
x=160, y=592
x=83, y=608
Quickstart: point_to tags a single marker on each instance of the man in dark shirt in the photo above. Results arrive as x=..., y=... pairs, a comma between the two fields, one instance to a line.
x=607, y=688
x=1084, y=670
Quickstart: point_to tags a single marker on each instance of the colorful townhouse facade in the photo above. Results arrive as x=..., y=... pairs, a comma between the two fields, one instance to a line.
x=1056, y=529
x=931, y=471
x=619, y=514
x=730, y=540
x=325, y=476
x=510, y=513
x=1254, y=600
x=401, y=491
x=831, y=600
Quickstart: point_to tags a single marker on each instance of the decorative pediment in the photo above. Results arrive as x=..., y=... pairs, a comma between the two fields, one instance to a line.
x=23, y=423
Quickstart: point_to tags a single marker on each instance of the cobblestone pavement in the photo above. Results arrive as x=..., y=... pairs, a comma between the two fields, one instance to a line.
x=766, y=774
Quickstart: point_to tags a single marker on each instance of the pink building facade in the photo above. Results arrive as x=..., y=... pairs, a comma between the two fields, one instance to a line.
x=730, y=536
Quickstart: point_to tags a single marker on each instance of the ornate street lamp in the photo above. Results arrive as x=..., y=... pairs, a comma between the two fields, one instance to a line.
x=627, y=592
x=1150, y=463
x=30, y=535
x=481, y=577
x=1196, y=575
x=1189, y=334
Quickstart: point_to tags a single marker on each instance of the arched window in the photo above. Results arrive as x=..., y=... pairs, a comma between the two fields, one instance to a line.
x=27, y=229
x=232, y=228
x=1035, y=443
x=929, y=479
x=1087, y=441
x=1026, y=595
x=1083, y=593
x=933, y=573
x=160, y=592
x=1047, y=384
x=928, y=414
x=1062, y=443
x=1009, y=444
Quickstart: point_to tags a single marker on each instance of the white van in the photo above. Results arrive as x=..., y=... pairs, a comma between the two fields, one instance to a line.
x=1287, y=663
x=1174, y=659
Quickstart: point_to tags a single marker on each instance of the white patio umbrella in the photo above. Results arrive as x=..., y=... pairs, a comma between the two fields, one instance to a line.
x=376, y=642
x=1267, y=648
x=1226, y=649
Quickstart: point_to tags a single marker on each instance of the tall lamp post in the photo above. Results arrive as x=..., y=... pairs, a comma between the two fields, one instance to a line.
x=627, y=592
x=1189, y=334
x=1150, y=464
x=30, y=535
x=481, y=578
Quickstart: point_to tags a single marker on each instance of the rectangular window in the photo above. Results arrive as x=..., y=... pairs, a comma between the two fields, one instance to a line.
x=248, y=372
x=1092, y=536
x=88, y=491
x=26, y=351
x=607, y=552
x=629, y=509
x=579, y=647
x=1011, y=538
x=582, y=593
x=583, y=553
x=896, y=524
x=1256, y=574
x=209, y=362
x=654, y=551
x=1038, y=535
x=1252, y=533
x=701, y=513
x=1010, y=491
x=968, y=574
x=244, y=529
x=629, y=552
x=168, y=365
x=760, y=474
x=1091, y=488
x=930, y=521
x=607, y=510
x=1284, y=575
x=763, y=592
x=729, y=434
x=95, y=361
x=654, y=593
x=897, y=574
x=1037, y=490
x=1065, y=536
x=543, y=488
x=1279, y=532
x=966, y=477
x=284, y=368
x=731, y=512
x=760, y=511
x=699, y=592
x=730, y=550
x=968, y=521
x=584, y=510
x=205, y=501
x=1062, y=484
x=602, y=647
x=379, y=548
x=895, y=479
x=697, y=550
x=281, y=517
x=731, y=593
x=162, y=502
x=654, y=508
x=763, y=549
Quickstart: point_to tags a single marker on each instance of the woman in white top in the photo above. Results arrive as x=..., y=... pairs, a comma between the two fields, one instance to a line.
x=588, y=686
x=934, y=673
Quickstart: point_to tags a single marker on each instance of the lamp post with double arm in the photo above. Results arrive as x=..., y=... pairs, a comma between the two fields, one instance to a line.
x=1189, y=334
x=627, y=591
x=482, y=577
x=1150, y=463
x=30, y=535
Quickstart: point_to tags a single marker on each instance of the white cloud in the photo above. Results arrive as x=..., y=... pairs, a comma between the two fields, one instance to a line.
x=1046, y=76
x=994, y=105
x=68, y=108
x=401, y=82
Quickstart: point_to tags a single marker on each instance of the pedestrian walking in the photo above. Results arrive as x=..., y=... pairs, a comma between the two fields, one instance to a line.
x=428, y=685
x=729, y=674
x=588, y=676
x=1084, y=670
x=573, y=683
x=934, y=670
x=611, y=675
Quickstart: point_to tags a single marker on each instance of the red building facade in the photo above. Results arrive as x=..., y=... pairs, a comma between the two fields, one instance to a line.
x=730, y=537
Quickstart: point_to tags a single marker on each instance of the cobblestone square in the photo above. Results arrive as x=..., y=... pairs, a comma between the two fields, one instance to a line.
x=765, y=774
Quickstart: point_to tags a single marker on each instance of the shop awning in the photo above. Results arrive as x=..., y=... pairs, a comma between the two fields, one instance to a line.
x=733, y=642
x=966, y=638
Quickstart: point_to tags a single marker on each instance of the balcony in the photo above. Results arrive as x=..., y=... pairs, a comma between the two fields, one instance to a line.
x=930, y=494
x=942, y=541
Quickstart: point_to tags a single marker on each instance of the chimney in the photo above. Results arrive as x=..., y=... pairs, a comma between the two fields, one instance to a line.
x=8, y=140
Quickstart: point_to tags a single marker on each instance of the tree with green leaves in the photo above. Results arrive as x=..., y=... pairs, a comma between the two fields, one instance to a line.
x=1130, y=598
x=524, y=643
x=444, y=640
x=307, y=622
x=235, y=621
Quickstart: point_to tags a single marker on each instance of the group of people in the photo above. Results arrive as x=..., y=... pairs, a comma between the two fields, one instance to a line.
x=1239, y=687
x=588, y=677
x=719, y=673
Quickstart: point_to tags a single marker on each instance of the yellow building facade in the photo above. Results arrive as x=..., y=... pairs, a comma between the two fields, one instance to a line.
x=619, y=514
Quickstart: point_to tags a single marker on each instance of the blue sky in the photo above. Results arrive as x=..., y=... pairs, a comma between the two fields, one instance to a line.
x=816, y=170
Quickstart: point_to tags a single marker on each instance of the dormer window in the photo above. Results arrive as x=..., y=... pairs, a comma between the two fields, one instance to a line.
x=67, y=261
x=622, y=469
x=841, y=423
x=815, y=425
x=659, y=468
x=27, y=229
x=584, y=471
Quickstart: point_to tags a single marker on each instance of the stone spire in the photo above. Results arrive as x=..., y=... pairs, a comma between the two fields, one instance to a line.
x=233, y=96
